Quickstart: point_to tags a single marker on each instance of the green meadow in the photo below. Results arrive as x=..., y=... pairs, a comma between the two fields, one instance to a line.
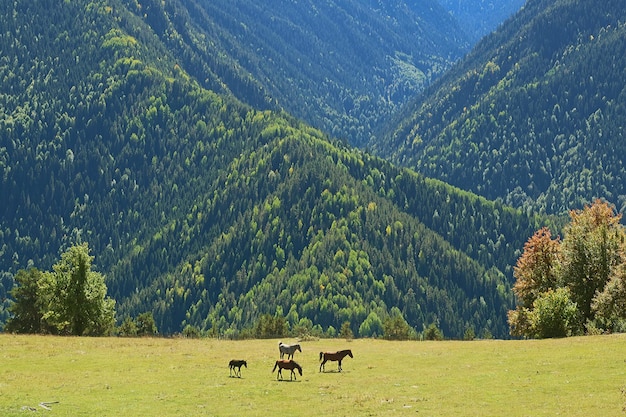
x=73, y=376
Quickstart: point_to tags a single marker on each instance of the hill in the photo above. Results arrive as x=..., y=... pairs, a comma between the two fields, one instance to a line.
x=209, y=212
x=533, y=115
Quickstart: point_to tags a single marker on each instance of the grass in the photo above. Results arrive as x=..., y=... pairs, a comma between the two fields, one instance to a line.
x=177, y=377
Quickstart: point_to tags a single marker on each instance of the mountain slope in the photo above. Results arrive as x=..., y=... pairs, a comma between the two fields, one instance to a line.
x=343, y=66
x=533, y=115
x=478, y=18
x=208, y=212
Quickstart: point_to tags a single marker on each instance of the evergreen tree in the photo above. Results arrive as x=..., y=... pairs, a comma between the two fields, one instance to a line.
x=27, y=317
x=395, y=326
x=146, y=326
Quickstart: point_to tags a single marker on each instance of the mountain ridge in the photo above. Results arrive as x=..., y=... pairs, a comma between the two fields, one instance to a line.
x=531, y=115
x=208, y=212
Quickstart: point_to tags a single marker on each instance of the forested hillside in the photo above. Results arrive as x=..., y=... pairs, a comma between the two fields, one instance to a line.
x=343, y=66
x=477, y=18
x=534, y=115
x=206, y=211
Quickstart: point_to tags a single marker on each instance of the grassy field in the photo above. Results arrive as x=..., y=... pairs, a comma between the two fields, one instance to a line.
x=178, y=377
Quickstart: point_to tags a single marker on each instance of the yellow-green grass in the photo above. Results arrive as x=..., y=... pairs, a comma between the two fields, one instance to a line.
x=180, y=377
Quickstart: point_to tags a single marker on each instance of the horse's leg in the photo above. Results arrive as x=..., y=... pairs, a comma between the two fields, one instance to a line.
x=339, y=366
x=322, y=365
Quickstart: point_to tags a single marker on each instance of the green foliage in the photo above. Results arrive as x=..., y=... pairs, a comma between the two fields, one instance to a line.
x=469, y=334
x=308, y=60
x=206, y=212
x=146, y=326
x=346, y=331
x=478, y=18
x=433, y=332
x=372, y=326
x=269, y=326
x=72, y=299
x=532, y=116
x=395, y=326
x=554, y=314
x=128, y=328
x=191, y=332
x=610, y=303
x=26, y=311
x=574, y=286
x=593, y=248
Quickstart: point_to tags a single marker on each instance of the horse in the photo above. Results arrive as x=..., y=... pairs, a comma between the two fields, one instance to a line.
x=288, y=349
x=287, y=364
x=334, y=356
x=236, y=364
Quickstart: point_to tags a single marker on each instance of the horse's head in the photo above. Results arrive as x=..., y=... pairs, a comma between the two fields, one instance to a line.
x=245, y=364
x=299, y=369
x=350, y=353
x=298, y=347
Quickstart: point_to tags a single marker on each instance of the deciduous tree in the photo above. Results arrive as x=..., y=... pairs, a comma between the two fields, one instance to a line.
x=592, y=249
x=569, y=287
x=70, y=300
x=536, y=272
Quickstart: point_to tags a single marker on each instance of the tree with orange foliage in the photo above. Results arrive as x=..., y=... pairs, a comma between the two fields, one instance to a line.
x=575, y=285
x=536, y=274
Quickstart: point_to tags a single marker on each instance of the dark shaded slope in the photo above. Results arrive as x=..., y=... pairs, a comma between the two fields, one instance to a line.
x=478, y=18
x=342, y=66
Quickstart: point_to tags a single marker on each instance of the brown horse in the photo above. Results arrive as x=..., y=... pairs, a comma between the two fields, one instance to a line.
x=287, y=364
x=236, y=364
x=334, y=356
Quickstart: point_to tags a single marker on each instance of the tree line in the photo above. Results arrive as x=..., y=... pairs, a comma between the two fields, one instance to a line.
x=72, y=300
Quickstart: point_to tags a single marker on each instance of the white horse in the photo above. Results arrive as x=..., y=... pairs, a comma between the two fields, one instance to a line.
x=289, y=350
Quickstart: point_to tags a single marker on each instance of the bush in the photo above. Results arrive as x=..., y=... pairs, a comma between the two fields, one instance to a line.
x=191, y=332
x=555, y=314
x=346, y=331
x=128, y=328
x=433, y=333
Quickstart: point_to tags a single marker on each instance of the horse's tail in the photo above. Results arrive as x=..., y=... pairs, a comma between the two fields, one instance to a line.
x=275, y=366
x=321, y=354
